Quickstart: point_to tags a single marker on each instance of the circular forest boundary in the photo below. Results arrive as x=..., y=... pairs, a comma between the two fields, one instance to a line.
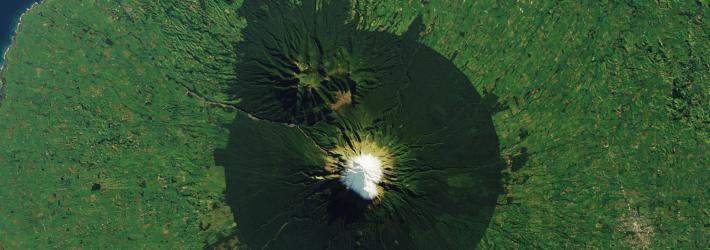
x=113, y=112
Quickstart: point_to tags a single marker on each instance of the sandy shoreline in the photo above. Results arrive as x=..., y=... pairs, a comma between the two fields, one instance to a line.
x=12, y=43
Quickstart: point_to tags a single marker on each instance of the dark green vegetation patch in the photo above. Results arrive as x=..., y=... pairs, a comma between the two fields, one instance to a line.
x=406, y=104
x=601, y=110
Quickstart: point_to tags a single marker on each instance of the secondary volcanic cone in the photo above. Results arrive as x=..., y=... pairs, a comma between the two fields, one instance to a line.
x=411, y=161
x=298, y=65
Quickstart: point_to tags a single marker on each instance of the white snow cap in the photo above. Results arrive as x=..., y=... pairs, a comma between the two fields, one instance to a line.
x=362, y=174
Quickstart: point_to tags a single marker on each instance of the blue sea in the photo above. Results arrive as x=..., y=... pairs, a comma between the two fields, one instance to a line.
x=10, y=11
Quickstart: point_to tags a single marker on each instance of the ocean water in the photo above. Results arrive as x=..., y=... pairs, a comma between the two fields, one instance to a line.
x=10, y=11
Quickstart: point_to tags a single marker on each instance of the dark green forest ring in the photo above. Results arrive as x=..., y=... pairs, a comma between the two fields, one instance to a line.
x=283, y=174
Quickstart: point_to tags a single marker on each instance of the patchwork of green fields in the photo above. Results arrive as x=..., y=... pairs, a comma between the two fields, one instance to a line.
x=114, y=109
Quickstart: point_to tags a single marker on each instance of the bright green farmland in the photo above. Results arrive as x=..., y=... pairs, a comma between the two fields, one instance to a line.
x=114, y=109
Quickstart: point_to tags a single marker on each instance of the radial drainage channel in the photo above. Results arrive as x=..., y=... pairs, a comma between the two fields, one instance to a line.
x=374, y=140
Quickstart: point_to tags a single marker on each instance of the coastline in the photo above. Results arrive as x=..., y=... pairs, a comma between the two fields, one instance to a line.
x=12, y=43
